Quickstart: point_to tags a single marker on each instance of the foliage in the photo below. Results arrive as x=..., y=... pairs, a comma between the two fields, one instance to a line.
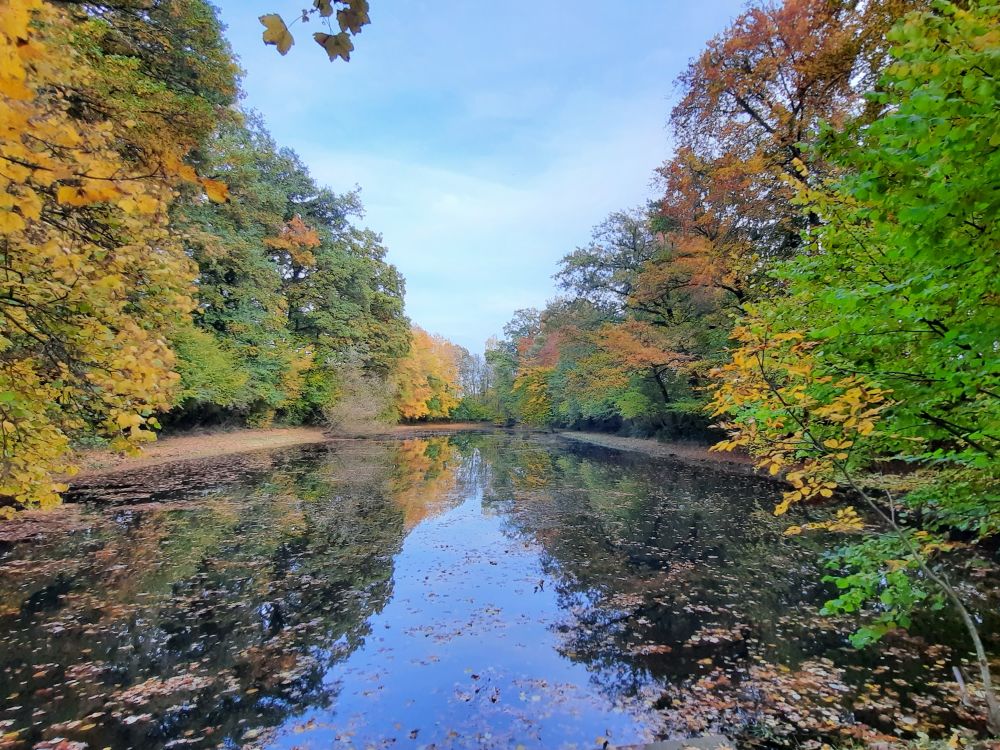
x=209, y=373
x=532, y=392
x=94, y=281
x=351, y=16
x=884, y=344
x=426, y=379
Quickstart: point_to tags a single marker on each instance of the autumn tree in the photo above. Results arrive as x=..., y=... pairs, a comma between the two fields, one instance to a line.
x=885, y=343
x=752, y=100
x=93, y=280
x=426, y=379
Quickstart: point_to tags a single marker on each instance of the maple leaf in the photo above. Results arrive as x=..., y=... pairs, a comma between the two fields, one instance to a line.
x=336, y=45
x=276, y=33
x=354, y=16
x=325, y=7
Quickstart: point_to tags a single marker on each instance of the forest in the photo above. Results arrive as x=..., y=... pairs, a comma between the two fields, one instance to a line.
x=815, y=285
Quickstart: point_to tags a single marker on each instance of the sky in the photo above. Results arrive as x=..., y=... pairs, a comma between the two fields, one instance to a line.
x=488, y=138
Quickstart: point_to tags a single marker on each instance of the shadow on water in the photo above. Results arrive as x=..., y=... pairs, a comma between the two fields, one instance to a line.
x=465, y=591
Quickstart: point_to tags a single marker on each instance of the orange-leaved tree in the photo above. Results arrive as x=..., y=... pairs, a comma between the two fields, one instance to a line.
x=426, y=379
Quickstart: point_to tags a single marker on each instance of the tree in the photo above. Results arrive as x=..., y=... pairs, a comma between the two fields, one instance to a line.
x=752, y=102
x=531, y=389
x=93, y=280
x=645, y=297
x=427, y=378
x=885, y=345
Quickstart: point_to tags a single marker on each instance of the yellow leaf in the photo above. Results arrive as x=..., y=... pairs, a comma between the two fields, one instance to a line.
x=217, y=191
x=10, y=222
x=276, y=33
x=129, y=420
x=354, y=17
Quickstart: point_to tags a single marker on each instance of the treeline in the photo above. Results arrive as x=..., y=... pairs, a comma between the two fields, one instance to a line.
x=650, y=302
x=821, y=278
x=163, y=259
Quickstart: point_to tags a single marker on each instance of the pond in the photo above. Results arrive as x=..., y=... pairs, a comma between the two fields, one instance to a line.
x=495, y=590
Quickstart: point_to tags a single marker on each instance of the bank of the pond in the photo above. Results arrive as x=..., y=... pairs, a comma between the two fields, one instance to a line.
x=200, y=444
x=213, y=443
x=690, y=453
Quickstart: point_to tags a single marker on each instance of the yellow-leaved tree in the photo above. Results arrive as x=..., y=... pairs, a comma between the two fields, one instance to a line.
x=426, y=380
x=92, y=280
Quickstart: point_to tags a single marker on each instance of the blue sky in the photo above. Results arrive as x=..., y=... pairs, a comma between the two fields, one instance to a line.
x=487, y=138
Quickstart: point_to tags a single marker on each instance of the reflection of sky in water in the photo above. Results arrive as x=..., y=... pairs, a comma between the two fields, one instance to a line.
x=464, y=654
x=482, y=591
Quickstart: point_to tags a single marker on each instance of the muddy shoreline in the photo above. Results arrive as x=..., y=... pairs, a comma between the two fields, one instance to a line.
x=215, y=443
x=681, y=452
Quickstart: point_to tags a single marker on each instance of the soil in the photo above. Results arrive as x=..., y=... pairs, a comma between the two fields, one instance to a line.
x=693, y=453
x=211, y=443
x=200, y=444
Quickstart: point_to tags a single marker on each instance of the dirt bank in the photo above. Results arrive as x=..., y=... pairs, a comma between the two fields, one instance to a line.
x=692, y=453
x=211, y=443
x=200, y=444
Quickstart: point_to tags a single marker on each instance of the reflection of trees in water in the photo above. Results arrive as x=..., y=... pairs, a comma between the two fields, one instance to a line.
x=205, y=618
x=425, y=480
x=677, y=585
x=644, y=555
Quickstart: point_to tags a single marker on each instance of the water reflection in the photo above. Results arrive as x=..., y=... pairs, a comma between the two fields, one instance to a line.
x=465, y=591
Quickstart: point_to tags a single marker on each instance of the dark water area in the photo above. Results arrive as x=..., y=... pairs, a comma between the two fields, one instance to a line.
x=465, y=591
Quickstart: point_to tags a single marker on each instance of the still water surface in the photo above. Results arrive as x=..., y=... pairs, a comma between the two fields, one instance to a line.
x=472, y=591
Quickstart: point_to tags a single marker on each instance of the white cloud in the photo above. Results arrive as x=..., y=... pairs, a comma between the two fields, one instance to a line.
x=475, y=245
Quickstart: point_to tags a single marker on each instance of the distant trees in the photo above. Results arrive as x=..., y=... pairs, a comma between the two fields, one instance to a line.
x=427, y=378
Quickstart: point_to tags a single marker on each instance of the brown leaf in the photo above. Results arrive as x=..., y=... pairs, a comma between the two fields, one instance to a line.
x=354, y=16
x=336, y=45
